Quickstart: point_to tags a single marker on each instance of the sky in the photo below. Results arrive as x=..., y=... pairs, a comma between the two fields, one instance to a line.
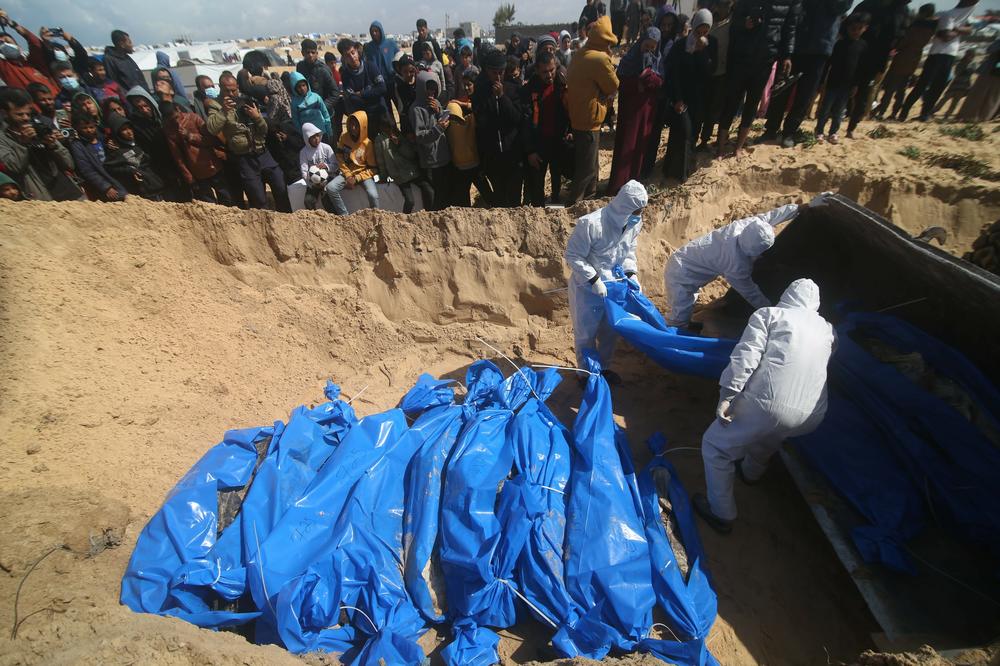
x=91, y=21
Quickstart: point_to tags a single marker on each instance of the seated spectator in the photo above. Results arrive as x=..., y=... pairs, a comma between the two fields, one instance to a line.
x=430, y=124
x=357, y=161
x=308, y=107
x=37, y=162
x=128, y=164
x=398, y=161
x=364, y=88
x=198, y=155
x=119, y=65
x=89, y=154
x=9, y=189
x=316, y=153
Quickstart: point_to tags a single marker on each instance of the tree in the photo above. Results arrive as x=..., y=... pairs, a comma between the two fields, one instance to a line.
x=503, y=16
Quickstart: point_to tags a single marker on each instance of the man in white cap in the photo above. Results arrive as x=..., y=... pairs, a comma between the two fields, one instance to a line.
x=606, y=238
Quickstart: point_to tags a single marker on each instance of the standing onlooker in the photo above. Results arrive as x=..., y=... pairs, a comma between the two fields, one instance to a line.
x=381, y=51
x=307, y=106
x=430, y=124
x=544, y=130
x=983, y=102
x=588, y=16
x=163, y=62
x=498, y=124
x=761, y=34
x=321, y=82
x=617, y=14
x=244, y=131
x=37, y=163
x=887, y=20
x=424, y=35
x=689, y=64
x=817, y=33
x=98, y=84
x=204, y=88
x=672, y=27
x=960, y=84
x=908, y=53
x=591, y=85
x=841, y=82
x=934, y=77
x=638, y=92
x=404, y=90
x=197, y=155
x=462, y=143
x=364, y=88
x=18, y=69
x=423, y=57
x=119, y=65
x=715, y=89
x=633, y=15
x=565, y=52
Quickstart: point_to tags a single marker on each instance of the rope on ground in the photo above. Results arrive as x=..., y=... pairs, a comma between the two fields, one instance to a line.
x=17, y=595
x=358, y=394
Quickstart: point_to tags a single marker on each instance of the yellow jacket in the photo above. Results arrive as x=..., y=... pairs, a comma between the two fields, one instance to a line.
x=359, y=158
x=591, y=77
x=462, y=138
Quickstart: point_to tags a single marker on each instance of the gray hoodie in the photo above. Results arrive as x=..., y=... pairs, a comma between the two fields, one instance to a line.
x=432, y=142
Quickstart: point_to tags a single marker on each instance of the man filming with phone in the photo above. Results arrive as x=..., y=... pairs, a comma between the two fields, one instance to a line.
x=239, y=122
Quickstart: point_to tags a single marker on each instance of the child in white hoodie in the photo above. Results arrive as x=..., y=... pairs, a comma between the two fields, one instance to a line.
x=321, y=155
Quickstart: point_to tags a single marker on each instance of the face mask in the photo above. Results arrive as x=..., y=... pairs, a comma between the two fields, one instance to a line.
x=212, y=93
x=11, y=51
x=633, y=220
x=61, y=56
x=69, y=83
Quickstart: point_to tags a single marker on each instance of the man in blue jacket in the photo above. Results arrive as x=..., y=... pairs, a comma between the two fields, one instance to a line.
x=364, y=87
x=816, y=34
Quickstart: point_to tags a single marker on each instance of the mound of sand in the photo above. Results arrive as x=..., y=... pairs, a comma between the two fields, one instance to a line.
x=133, y=335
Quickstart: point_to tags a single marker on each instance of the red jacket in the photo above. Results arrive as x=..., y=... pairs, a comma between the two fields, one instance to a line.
x=20, y=74
x=197, y=153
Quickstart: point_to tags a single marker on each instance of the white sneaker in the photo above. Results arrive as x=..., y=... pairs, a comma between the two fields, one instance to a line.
x=834, y=139
x=820, y=138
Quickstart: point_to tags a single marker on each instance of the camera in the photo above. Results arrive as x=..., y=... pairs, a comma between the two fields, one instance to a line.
x=56, y=32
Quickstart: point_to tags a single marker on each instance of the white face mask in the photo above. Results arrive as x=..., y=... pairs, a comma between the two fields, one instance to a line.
x=61, y=55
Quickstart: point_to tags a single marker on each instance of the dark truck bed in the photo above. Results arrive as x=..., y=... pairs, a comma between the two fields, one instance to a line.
x=862, y=259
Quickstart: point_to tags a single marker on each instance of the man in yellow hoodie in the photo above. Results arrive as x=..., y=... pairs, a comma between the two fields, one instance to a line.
x=591, y=85
x=356, y=154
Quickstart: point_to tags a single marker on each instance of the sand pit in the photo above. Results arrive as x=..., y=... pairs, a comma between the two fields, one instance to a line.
x=133, y=335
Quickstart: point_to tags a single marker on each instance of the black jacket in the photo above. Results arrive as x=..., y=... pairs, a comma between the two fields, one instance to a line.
x=498, y=119
x=532, y=140
x=686, y=74
x=322, y=83
x=364, y=90
x=121, y=68
x=819, y=25
x=887, y=25
x=774, y=38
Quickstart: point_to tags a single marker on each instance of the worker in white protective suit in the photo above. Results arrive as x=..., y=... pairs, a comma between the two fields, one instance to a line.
x=600, y=241
x=729, y=251
x=773, y=389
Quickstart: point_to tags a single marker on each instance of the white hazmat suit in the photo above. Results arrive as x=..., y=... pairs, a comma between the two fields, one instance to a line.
x=600, y=241
x=728, y=251
x=773, y=389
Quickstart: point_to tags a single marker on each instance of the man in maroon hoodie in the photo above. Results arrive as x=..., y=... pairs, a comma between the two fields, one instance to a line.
x=17, y=69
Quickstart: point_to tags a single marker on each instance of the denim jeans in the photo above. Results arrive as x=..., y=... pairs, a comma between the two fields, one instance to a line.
x=337, y=185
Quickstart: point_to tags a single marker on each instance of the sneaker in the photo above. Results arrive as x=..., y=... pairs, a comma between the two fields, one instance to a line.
x=833, y=139
x=820, y=138
x=703, y=509
x=788, y=142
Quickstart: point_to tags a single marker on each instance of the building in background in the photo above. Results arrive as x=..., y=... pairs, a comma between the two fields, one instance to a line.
x=471, y=29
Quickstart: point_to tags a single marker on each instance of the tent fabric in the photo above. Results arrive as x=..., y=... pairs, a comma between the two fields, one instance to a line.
x=635, y=318
x=344, y=521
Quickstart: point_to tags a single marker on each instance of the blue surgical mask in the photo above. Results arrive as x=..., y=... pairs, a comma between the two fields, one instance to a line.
x=61, y=55
x=633, y=220
x=212, y=93
x=69, y=83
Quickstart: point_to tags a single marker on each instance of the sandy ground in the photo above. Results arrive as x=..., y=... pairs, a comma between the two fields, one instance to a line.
x=133, y=335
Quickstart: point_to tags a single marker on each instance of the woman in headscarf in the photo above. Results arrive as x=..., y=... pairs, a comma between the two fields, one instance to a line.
x=637, y=92
x=672, y=27
x=689, y=65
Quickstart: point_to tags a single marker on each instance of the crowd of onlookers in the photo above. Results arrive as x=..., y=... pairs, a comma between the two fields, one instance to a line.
x=505, y=120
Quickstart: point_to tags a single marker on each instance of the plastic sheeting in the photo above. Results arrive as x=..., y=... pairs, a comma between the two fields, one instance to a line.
x=890, y=444
x=353, y=535
x=635, y=318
